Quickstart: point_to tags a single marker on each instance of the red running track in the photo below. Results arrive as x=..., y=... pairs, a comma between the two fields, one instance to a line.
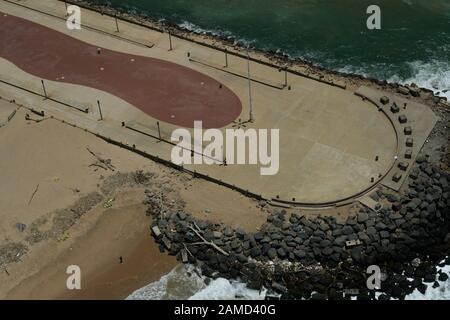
x=166, y=91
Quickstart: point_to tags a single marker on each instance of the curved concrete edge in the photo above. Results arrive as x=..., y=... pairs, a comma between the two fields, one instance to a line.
x=420, y=120
x=248, y=193
x=353, y=198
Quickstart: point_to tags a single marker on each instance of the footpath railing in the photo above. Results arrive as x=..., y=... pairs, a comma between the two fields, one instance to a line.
x=83, y=25
x=81, y=109
x=194, y=173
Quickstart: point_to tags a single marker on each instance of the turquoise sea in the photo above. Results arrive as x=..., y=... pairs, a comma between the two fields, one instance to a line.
x=413, y=44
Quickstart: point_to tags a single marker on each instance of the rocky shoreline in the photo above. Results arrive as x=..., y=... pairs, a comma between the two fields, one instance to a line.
x=323, y=257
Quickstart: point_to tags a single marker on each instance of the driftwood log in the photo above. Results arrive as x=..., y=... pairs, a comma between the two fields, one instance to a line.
x=209, y=243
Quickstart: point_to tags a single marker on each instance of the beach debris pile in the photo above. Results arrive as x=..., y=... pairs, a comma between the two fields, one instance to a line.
x=12, y=252
x=21, y=226
x=55, y=224
x=65, y=236
x=105, y=164
x=407, y=227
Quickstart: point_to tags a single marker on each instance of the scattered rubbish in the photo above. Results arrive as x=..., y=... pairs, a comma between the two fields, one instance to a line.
x=166, y=243
x=104, y=164
x=352, y=243
x=76, y=190
x=33, y=194
x=184, y=256
x=156, y=231
x=21, y=226
x=108, y=203
x=63, y=237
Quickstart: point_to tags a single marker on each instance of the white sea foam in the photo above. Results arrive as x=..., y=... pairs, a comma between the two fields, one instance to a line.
x=179, y=284
x=433, y=75
x=223, y=289
x=189, y=26
x=184, y=283
x=440, y=293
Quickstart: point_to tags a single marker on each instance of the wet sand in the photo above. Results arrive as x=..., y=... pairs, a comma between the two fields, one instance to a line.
x=97, y=254
x=106, y=278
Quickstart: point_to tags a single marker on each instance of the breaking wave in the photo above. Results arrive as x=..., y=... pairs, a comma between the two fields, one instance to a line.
x=189, y=26
x=185, y=283
x=433, y=75
x=440, y=293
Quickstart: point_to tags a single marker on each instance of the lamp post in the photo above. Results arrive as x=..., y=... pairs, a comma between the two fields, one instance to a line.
x=117, y=24
x=170, y=41
x=43, y=88
x=285, y=76
x=100, y=110
x=159, y=130
x=226, y=58
x=251, y=119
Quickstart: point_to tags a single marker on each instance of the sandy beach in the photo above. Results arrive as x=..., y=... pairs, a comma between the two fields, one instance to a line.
x=41, y=253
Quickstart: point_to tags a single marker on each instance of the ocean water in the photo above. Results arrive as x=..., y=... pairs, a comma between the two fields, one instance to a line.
x=413, y=44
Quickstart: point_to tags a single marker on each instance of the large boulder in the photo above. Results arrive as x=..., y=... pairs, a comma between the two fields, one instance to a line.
x=347, y=230
x=362, y=217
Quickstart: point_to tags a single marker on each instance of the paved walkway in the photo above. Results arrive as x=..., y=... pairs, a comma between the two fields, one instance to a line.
x=166, y=91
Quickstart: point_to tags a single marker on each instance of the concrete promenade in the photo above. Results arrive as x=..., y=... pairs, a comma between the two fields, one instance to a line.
x=334, y=145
